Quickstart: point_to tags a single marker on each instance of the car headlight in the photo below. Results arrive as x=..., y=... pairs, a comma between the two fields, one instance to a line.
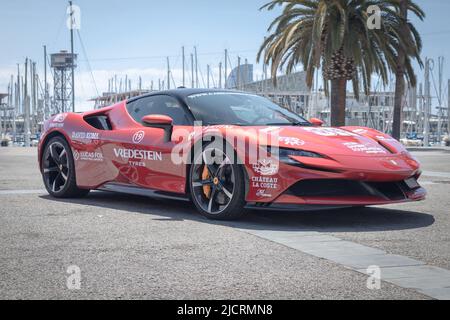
x=410, y=156
x=285, y=154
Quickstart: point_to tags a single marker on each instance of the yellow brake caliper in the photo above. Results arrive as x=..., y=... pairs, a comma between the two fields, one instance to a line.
x=206, y=176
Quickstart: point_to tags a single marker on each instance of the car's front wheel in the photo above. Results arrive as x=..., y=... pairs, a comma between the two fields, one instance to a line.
x=58, y=170
x=217, y=184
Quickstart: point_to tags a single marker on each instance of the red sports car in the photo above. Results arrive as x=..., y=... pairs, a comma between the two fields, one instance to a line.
x=224, y=151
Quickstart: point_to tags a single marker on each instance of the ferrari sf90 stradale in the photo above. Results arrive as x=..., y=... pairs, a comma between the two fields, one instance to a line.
x=224, y=151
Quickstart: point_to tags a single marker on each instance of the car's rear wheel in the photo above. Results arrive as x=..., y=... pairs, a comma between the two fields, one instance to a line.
x=217, y=184
x=58, y=170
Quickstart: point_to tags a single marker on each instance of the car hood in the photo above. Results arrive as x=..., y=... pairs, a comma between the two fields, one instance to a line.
x=350, y=148
x=327, y=141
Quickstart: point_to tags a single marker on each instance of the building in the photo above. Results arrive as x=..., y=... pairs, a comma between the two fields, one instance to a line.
x=375, y=110
x=290, y=91
x=110, y=98
x=240, y=76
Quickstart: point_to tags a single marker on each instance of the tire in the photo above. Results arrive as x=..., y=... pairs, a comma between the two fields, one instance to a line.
x=217, y=189
x=58, y=170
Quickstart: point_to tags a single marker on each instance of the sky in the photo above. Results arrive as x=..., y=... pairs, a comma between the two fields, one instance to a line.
x=134, y=37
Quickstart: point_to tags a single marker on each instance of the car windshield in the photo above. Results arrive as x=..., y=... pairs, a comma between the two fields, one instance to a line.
x=234, y=108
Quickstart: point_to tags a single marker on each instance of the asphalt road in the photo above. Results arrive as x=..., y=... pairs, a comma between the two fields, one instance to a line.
x=139, y=248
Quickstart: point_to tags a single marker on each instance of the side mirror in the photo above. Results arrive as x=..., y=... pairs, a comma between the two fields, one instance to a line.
x=160, y=122
x=316, y=122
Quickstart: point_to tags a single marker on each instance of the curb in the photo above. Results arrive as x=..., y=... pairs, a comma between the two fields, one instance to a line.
x=425, y=149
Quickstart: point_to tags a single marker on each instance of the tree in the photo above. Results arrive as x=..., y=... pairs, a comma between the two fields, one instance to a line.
x=336, y=37
x=405, y=52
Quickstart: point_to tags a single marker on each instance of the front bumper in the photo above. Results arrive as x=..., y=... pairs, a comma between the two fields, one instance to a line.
x=369, y=181
x=331, y=200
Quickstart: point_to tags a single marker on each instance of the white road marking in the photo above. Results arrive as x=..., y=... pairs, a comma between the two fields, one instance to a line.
x=436, y=174
x=10, y=192
x=399, y=270
x=427, y=183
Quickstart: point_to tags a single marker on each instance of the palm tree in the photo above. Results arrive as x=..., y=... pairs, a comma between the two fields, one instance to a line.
x=405, y=53
x=335, y=36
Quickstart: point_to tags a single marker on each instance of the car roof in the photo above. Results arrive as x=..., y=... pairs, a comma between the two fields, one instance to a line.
x=181, y=93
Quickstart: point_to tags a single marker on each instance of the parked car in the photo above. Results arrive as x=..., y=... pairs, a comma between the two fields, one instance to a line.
x=133, y=147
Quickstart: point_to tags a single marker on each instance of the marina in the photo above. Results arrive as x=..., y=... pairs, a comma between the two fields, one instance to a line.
x=35, y=92
x=206, y=152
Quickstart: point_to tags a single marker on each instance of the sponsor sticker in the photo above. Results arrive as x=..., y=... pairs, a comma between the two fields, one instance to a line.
x=330, y=132
x=138, y=154
x=269, y=129
x=216, y=128
x=261, y=193
x=358, y=147
x=266, y=167
x=191, y=136
x=136, y=163
x=291, y=141
x=60, y=117
x=56, y=125
x=360, y=131
x=382, y=138
x=58, y=121
x=76, y=155
x=138, y=136
x=264, y=182
x=85, y=135
x=88, y=156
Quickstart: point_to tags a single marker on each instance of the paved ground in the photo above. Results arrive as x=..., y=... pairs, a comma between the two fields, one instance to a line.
x=134, y=247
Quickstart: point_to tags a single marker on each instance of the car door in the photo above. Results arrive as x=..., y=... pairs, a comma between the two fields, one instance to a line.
x=143, y=155
x=86, y=138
